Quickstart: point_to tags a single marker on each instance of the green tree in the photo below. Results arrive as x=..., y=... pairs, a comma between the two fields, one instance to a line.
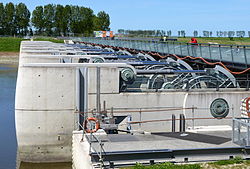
x=86, y=21
x=74, y=20
x=9, y=19
x=81, y=20
x=22, y=19
x=59, y=19
x=102, y=21
x=66, y=19
x=2, y=19
x=49, y=18
x=38, y=19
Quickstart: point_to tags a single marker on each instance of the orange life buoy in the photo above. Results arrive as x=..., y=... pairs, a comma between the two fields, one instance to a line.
x=97, y=125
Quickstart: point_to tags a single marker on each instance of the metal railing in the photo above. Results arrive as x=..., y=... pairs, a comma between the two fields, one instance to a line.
x=92, y=138
x=192, y=115
x=237, y=54
x=241, y=131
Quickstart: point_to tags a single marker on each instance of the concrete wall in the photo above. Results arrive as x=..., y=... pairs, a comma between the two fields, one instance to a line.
x=44, y=113
x=109, y=80
x=201, y=100
x=80, y=151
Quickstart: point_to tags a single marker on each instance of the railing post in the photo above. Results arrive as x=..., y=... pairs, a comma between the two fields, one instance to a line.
x=155, y=50
x=233, y=111
x=193, y=117
x=210, y=54
x=180, y=129
x=188, y=50
x=247, y=86
x=150, y=46
x=168, y=48
x=140, y=118
x=180, y=48
x=174, y=48
x=245, y=56
x=98, y=90
x=162, y=47
x=233, y=128
x=248, y=136
x=231, y=47
x=220, y=53
x=200, y=49
x=100, y=158
x=238, y=131
x=173, y=123
x=128, y=124
x=183, y=123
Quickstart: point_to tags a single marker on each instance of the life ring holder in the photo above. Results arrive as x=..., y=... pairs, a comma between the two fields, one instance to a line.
x=97, y=125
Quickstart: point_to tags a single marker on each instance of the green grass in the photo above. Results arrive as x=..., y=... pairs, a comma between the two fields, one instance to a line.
x=219, y=40
x=236, y=160
x=49, y=39
x=167, y=166
x=11, y=44
x=235, y=163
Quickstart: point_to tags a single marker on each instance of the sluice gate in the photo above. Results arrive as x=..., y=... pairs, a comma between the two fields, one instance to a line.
x=61, y=87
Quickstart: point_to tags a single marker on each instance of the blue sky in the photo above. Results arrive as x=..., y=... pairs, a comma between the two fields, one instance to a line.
x=172, y=15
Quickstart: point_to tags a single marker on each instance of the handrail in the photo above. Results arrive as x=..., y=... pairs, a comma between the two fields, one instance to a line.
x=90, y=140
x=154, y=41
x=141, y=110
x=150, y=121
x=239, y=54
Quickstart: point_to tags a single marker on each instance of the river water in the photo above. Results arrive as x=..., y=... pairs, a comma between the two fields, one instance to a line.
x=8, y=146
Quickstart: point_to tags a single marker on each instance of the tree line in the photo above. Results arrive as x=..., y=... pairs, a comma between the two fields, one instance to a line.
x=51, y=20
x=182, y=33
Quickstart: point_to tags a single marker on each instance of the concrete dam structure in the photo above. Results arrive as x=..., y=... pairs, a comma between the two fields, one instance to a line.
x=80, y=87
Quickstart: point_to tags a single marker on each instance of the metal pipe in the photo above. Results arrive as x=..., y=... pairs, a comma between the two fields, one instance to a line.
x=168, y=71
x=60, y=56
x=93, y=65
x=183, y=123
x=98, y=90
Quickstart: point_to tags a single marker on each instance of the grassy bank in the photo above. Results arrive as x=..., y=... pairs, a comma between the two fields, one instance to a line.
x=49, y=39
x=236, y=163
x=11, y=44
x=219, y=40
